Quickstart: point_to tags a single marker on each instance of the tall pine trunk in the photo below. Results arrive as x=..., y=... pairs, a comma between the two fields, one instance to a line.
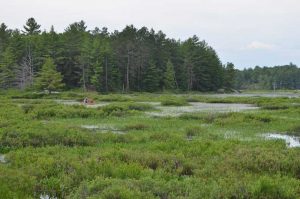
x=106, y=86
x=127, y=73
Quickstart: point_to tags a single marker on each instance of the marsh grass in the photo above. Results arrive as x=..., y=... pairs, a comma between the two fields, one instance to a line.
x=295, y=130
x=174, y=101
x=50, y=153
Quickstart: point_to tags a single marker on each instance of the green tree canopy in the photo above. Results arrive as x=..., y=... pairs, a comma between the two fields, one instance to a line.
x=169, y=77
x=151, y=80
x=48, y=78
x=8, y=69
x=131, y=59
x=32, y=27
x=229, y=76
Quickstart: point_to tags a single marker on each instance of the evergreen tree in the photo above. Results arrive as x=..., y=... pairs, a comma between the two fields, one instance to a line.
x=32, y=27
x=4, y=37
x=151, y=79
x=85, y=61
x=8, y=68
x=169, y=77
x=48, y=78
x=72, y=55
x=122, y=60
x=229, y=76
x=97, y=77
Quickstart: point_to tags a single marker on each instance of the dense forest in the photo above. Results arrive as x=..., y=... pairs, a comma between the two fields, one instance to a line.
x=277, y=77
x=128, y=60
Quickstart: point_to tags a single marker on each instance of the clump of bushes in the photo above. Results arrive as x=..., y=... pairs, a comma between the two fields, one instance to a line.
x=193, y=99
x=29, y=95
x=191, y=116
x=186, y=170
x=27, y=108
x=205, y=117
x=193, y=131
x=114, y=109
x=120, y=109
x=63, y=111
x=295, y=130
x=138, y=126
x=174, y=102
x=275, y=107
x=113, y=98
x=73, y=95
x=139, y=107
x=267, y=187
x=259, y=118
x=44, y=137
x=48, y=110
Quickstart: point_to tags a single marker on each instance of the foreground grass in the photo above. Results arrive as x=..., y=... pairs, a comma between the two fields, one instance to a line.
x=194, y=155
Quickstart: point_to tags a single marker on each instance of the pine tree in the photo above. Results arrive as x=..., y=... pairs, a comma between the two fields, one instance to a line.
x=8, y=69
x=48, y=78
x=71, y=63
x=151, y=79
x=97, y=77
x=4, y=36
x=85, y=61
x=229, y=76
x=169, y=77
x=32, y=27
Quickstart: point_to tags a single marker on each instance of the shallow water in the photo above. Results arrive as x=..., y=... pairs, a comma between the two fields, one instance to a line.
x=271, y=95
x=199, y=107
x=45, y=196
x=104, y=129
x=235, y=135
x=177, y=110
x=291, y=141
x=73, y=102
x=2, y=159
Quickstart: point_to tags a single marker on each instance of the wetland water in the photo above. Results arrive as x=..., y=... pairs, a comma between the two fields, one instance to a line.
x=199, y=107
x=74, y=102
x=2, y=159
x=291, y=141
x=270, y=95
x=103, y=129
x=193, y=107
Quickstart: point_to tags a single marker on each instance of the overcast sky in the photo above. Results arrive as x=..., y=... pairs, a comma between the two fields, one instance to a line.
x=245, y=32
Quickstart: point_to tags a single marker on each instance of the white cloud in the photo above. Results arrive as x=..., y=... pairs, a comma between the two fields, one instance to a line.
x=256, y=45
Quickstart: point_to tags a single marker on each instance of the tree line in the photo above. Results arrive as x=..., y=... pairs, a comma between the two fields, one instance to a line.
x=128, y=60
x=277, y=77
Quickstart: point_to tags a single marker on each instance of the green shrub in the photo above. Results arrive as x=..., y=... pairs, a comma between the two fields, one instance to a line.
x=295, y=130
x=27, y=108
x=174, y=102
x=29, y=95
x=139, y=106
x=259, y=118
x=187, y=170
x=121, y=109
x=138, y=126
x=193, y=131
x=47, y=137
x=269, y=188
x=113, y=98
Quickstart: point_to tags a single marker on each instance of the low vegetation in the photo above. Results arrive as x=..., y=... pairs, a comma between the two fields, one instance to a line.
x=174, y=102
x=192, y=155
